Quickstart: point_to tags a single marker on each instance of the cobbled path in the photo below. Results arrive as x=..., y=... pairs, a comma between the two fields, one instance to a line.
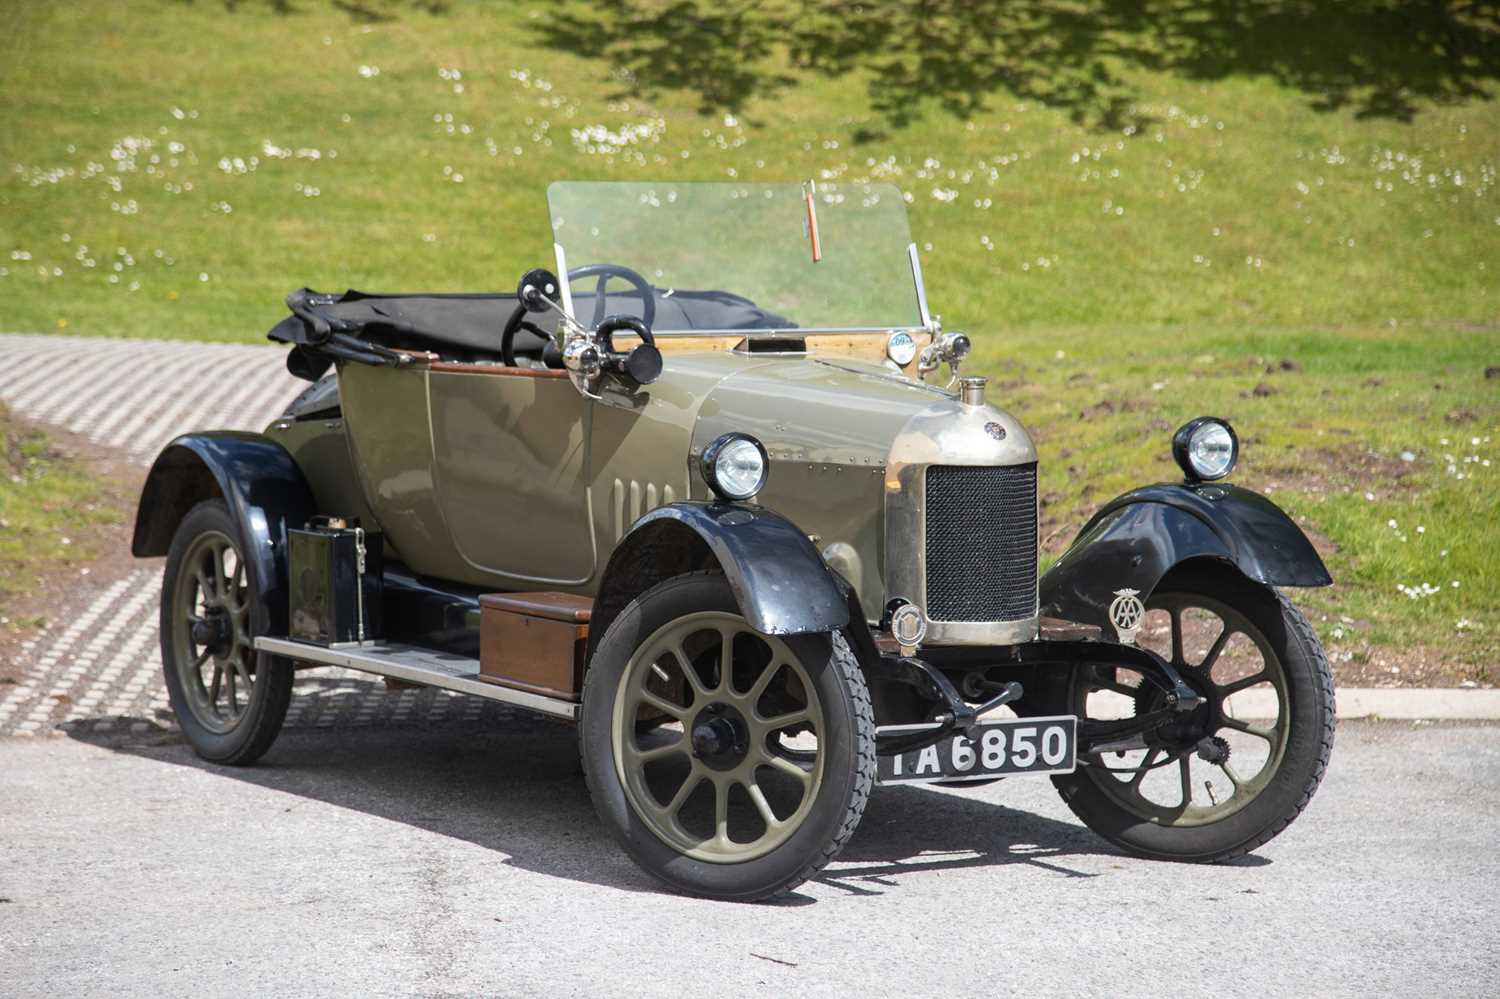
x=97, y=670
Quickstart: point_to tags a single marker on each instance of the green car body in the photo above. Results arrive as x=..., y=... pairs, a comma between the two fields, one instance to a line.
x=520, y=483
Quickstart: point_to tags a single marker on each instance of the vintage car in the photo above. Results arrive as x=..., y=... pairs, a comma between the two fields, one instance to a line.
x=721, y=497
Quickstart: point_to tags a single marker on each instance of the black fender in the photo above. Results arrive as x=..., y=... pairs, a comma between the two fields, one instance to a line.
x=779, y=579
x=1136, y=539
x=258, y=479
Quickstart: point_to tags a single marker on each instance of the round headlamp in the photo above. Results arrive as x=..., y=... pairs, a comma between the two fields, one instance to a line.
x=1206, y=448
x=901, y=348
x=735, y=466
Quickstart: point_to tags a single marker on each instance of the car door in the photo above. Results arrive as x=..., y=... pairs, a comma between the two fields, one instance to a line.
x=475, y=471
x=509, y=471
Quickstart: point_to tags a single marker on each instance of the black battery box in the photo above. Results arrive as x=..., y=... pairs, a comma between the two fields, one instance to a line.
x=335, y=568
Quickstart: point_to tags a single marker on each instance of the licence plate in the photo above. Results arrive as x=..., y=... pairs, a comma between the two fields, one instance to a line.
x=999, y=748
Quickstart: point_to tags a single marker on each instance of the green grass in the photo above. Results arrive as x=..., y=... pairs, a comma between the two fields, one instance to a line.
x=49, y=509
x=1141, y=210
x=1369, y=427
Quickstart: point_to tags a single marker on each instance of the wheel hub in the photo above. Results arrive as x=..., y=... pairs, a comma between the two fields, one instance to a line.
x=1186, y=730
x=720, y=736
x=213, y=631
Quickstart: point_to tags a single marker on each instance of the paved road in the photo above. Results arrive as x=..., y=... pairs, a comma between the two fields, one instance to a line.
x=457, y=860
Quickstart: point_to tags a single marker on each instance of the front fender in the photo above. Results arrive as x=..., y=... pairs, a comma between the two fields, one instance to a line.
x=1137, y=538
x=260, y=482
x=778, y=578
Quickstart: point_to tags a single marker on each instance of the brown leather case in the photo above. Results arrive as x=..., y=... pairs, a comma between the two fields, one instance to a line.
x=534, y=641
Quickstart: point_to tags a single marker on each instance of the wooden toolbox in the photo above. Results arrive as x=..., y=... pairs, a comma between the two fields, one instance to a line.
x=534, y=641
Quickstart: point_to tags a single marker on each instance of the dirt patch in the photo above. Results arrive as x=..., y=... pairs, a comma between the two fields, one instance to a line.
x=1358, y=664
x=1350, y=467
x=1109, y=407
x=50, y=589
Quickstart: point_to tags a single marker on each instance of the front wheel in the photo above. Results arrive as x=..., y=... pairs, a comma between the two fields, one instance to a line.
x=1231, y=775
x=729, y=764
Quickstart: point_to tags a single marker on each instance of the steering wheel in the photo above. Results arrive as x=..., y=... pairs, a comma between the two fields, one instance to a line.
x=642, y=289
x=515, y=323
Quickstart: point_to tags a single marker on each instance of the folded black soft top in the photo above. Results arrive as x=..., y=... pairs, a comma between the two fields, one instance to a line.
x=470, y=321
x=324, y=325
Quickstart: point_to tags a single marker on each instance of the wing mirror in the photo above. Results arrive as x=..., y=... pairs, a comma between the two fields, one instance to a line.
x=538, y=290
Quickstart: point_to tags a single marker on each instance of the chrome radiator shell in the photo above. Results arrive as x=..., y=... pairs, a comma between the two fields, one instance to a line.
x=950, y=432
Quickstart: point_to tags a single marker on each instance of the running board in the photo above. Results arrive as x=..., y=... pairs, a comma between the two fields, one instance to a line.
x=417, y=665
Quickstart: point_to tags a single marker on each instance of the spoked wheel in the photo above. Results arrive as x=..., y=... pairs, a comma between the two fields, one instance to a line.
x=729, y=763
x=229, y=699
x=1225, y=778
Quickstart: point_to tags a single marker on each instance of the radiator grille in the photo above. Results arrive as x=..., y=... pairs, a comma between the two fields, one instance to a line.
x=981, y=544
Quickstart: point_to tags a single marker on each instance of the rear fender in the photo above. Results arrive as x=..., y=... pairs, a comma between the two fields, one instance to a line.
x=263, y=487
x=781, y=583
x=1136, y=539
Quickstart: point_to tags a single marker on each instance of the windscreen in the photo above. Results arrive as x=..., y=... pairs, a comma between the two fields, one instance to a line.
x=733, y=257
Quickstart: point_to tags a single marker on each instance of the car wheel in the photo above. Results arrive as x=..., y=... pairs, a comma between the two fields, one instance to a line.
x=1245, y=764
x=729, y=764
x=229, y=700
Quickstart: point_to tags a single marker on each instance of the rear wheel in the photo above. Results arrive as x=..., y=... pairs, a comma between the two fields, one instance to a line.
x=229, y=699
x=1237, y=771
x=728, y=763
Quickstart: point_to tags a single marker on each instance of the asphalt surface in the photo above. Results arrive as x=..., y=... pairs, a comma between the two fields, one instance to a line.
x=464, y=859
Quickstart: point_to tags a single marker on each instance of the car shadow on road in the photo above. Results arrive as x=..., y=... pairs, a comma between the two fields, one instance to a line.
x=518, y=791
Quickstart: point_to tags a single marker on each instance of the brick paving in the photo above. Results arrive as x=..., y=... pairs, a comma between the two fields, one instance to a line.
x=97, y=670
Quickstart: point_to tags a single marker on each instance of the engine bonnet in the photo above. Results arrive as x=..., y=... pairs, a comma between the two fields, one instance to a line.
x=832, y=430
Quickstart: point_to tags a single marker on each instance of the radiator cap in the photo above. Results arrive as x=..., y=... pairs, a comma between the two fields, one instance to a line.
x=971, y=390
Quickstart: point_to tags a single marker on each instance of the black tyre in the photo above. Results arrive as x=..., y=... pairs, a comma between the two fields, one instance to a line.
x=729, y=764
x=230, y=700
x=1250, y=654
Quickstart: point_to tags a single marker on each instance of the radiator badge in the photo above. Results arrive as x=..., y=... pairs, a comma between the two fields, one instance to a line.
x=995, y=430
x=1126, y=613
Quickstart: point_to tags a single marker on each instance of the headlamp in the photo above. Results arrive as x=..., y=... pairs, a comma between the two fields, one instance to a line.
x=1206, y=448
x=735, y=466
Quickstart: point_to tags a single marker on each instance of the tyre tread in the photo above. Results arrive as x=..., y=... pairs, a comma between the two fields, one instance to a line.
x=864, y=778
x=1323, y=673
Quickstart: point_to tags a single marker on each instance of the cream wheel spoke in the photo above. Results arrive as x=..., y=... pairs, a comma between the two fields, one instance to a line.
x=787, y=766
x=758, y=688
x=673, y=748
x=663, y=705
x=783, y=721
x=700, y=692
x=721, y=810
x=758, y=797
